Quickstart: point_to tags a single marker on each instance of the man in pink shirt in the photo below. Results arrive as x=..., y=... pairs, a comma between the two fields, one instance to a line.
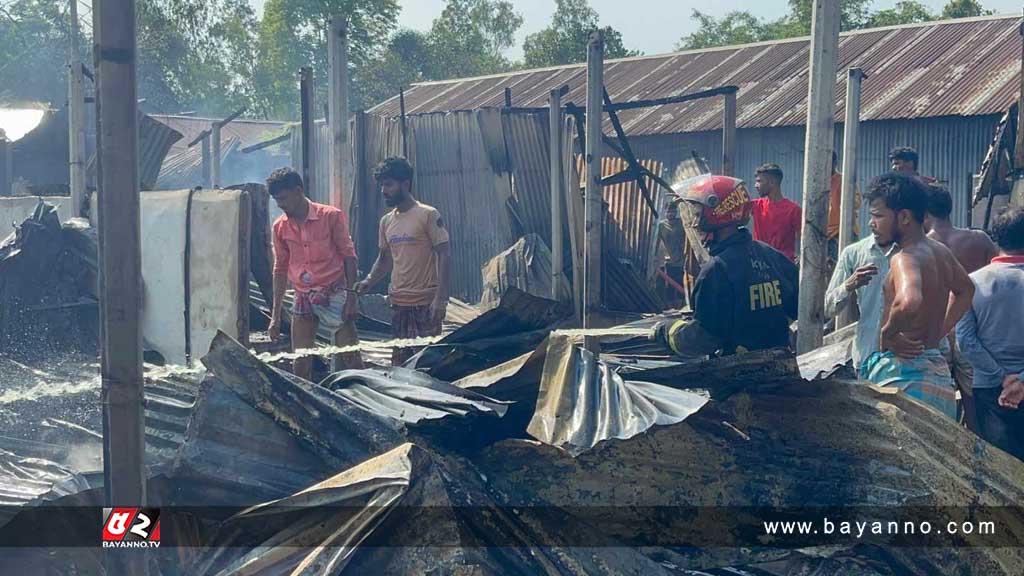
x=777, y=220
x=314, y=252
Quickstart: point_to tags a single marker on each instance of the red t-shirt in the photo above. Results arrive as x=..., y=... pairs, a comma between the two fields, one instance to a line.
x=777, y=224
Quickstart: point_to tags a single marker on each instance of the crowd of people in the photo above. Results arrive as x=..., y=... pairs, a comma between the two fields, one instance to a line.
x=940, y=309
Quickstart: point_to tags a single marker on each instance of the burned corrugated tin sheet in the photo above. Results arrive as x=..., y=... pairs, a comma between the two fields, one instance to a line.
x=583, y=402
x=184, y=170
x=807, y=446
x=247, y=131
x=965, y=67
x=41, y=157
x=526, y=266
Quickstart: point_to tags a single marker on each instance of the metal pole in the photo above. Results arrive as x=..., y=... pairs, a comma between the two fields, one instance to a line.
x=555, y=158
x=338, y=116
x=817, y=173
x=729, y=134
x=215, y=155
x=76, y=118
x=120, y=258
x=847, y=212
x=594, y=204
x=306, y=93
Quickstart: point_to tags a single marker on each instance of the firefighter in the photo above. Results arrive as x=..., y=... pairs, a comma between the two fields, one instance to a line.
x=746, y=294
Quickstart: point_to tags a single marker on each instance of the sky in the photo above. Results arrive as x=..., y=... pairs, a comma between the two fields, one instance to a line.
x=651, y=26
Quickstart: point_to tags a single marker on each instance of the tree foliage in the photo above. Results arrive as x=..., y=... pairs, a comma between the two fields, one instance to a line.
x=293, y=34
x=964, y=9
x=904, y=12
x=565, y=40
x=740, y=27
x=735, y=27
x=33, y=41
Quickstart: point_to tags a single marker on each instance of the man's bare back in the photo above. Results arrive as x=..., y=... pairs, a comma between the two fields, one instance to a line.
x=917, y=297
x=972, y=248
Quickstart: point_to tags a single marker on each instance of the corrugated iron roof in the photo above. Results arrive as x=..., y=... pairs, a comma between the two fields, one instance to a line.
x=966, y=67
x=248, y=132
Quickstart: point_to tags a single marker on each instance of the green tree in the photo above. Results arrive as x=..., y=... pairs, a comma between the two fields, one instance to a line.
x=293, y=34
x=565, y=40
x=470, y=36
x=406, y=59
x=33, y=52
x=195, y=54
x=737, y=27
x=964, y=9
x=853, y=15
x=904, y=12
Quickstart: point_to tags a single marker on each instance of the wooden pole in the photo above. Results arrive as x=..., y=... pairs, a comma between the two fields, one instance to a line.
x=594, y=204
x=215, y=157
x=207, y=163
x=729, y=135
x=5, y=166
x=1017, y=186
x=847, y=211
x=405, y=130
x=306, y=93
x=76, y=117
x=817, y=173
x=555, y=157
x=120, y=259
x=338, y=117
x=1018, y=153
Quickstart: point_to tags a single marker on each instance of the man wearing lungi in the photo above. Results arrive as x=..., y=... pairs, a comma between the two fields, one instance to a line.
x=414, y=249
x=918, y=309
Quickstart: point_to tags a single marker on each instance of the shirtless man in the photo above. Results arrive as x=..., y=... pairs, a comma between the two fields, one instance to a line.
x=918, y=311
x=974, y=250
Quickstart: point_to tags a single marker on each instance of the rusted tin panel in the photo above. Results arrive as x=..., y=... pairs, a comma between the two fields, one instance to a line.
x=967, y=67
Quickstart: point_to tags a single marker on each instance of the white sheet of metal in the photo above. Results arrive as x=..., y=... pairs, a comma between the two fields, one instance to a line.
x=213, y=264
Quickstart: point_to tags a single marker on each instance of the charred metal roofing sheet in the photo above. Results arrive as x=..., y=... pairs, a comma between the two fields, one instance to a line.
x=966, y=67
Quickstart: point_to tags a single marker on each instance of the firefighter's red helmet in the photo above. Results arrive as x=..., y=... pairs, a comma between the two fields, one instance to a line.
x=714, y=202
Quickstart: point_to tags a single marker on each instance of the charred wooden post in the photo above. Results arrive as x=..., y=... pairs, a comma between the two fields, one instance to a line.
x=817, y=174
x=729, y=134
x=594, y=193
x=555, y=160
x=308, y=142
x=405, y=129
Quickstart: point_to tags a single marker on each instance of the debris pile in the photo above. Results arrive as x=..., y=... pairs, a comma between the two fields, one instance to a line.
x=508, y=447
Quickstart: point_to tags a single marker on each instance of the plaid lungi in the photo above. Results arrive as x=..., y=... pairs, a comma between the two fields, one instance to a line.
x=413, y=322
x=925, y=378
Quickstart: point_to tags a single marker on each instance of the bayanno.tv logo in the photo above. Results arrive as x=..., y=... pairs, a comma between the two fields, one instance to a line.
x=131, y=527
